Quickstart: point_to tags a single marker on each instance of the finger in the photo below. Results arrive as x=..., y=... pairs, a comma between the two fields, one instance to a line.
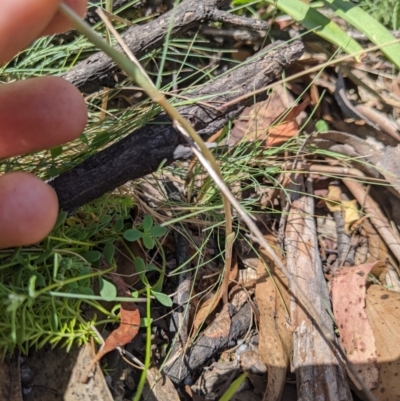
x=60, y=23
x=23, y=21
x=28, y=209
x=39, y=113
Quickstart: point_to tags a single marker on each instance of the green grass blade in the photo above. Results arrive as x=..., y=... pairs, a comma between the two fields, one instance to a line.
x=233, y=387
x=321, y=25
x=369, y=26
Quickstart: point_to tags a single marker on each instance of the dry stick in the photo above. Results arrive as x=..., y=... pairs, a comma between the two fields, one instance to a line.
x=212, y=167
x=310, y=70
x=377, y=218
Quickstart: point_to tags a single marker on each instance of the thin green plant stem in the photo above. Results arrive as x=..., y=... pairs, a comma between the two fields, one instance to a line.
x=233, y=387
x=147, y=358
x=62, y=283
x=165, y=48
x=212, y=168
x=93, y=297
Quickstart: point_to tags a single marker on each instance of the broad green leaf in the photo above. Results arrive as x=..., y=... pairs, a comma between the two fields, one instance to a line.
x=148, y=241
x=147, y=222
x=105, y=219
x=158, y=231
x=62, y=216
x=86, y=291
x=108, y=252
x=72, y=286
x=140, y=266
x=315, y=21
x=40, y=280
x=92, y=256
x=107, y=290
x=163, y=299
x=119, y=225
x=150, y=267
x=321, y=126
x=369, y=26
x=132, y=235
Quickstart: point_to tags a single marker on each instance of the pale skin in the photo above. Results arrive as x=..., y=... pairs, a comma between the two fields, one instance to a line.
x=35, y=114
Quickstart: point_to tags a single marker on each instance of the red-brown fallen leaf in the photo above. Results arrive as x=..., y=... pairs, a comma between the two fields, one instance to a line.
x=285, y=126
x=272, y=121
x=348, y=300
x=126, y=331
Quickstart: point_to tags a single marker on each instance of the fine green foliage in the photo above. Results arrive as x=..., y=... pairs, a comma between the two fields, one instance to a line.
x=147, y=232
x=66, y=263
x=385, y=11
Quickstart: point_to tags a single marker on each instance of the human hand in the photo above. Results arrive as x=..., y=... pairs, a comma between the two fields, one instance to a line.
x=35, y=114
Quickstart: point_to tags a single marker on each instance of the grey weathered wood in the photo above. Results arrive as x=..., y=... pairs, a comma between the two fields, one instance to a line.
x=320, y=375
x=143, y=151
x=98, y=70
x=208, y=344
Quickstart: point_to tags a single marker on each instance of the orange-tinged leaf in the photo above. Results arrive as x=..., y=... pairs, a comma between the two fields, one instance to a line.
x=348, y=299
x=285, y=126
x=126, y=331
x=384, y=314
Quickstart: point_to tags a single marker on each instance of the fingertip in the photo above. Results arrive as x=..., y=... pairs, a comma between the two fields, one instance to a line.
x=39, y=113
x=60, y=23
x=28, y=209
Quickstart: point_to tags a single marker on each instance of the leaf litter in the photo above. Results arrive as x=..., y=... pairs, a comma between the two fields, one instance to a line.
x=340, y=203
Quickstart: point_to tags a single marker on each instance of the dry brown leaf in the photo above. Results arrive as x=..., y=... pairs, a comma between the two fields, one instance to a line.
x=96, y=389
x=208, y=306
x=384, y=315
x=126, y=331
x=348, y=299
x=274, y=337
x=285, y=126
x=273, y=120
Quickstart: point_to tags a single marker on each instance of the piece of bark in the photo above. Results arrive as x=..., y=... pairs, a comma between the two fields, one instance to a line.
x=320, y=376
x=275, y=339
x=210, y=342
x=142, y=151
x=97, y=70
